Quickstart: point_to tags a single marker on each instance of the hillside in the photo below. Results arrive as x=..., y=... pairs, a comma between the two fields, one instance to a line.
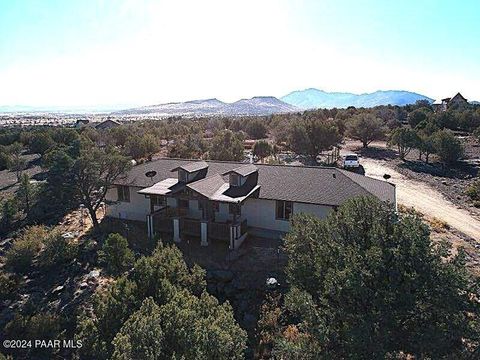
x=314, y=98
x=258, y=105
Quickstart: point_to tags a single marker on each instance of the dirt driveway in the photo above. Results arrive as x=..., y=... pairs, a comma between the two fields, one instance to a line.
x=425, y=199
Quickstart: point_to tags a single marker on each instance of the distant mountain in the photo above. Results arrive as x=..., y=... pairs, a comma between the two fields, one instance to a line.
x=61, y=109
x=259, y=105
x=314, y=98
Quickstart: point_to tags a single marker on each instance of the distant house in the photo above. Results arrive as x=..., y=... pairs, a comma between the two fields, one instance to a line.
x=248, y=144
x=227, y=201
x=82, y=123
x=445, y=104
x=107, y=124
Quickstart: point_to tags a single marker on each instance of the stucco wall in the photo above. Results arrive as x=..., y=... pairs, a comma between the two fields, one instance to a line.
x=136, y=209
x=260, y=213
x=319, y=210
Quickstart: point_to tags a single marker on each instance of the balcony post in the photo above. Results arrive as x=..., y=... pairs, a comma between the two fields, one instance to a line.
x=176, y=230
x=150, y=226
x=204, y=233
x=234, y=235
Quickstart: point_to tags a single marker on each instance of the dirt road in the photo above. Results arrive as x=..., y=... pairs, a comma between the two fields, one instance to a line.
x=425, y=199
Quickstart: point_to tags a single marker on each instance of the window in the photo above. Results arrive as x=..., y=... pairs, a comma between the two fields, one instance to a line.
x=157, y=200
x=235, y=209
x=123, y=193
x=200, y=205
x=284, y=210
x=234, y=179
x=182, y=176
x=182, y=203
x=215, y=206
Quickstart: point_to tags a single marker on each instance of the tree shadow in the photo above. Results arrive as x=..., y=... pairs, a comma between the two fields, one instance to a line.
x=460, y=170
x=377, y=153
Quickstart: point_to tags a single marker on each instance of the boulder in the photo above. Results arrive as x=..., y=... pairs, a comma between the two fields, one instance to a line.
x=272, y=283
x=58, y=289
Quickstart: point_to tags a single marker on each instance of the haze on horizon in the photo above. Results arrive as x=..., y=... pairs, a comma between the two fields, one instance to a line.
x=139, y=52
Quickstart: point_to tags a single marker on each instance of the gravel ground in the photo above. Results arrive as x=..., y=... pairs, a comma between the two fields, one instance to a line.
x=450, y=182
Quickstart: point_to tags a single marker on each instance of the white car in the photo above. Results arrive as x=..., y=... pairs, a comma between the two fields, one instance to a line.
x=351, y=161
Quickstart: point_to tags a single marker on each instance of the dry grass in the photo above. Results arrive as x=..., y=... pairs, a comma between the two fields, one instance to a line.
x=438, y=225
x=407, y=210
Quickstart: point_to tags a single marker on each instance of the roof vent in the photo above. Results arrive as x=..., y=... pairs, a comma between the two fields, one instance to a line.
x=334, y=175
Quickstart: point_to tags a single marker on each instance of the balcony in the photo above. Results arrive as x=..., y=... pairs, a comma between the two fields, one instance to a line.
x=174, y=221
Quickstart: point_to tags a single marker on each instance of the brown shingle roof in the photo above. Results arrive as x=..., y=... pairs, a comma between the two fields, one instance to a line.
x=308, y=184
x=208, y=186
x=243, y=170
x=192, y=166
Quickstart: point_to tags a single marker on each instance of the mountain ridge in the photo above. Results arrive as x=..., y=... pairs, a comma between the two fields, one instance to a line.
x=255, y=106
x=312, y=98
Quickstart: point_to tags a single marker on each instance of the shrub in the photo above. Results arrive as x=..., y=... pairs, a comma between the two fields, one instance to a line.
x=418, y=291
x=8, y=285
x=405, y=140
x=416, y=117
x=256, y=129
x=177, y=330
x=366, y=128
x=116, y=255
x=40, y=326
x=473, y=191
x=447, y=147
x=262, y=149
x=57, y=250
x=226, y=146
x=157, y=276
x=20, y=256
x=439, y=225
x=9, y=212
x=4, y=159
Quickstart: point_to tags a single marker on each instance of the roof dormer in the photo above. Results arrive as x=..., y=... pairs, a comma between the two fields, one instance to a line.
x=240, y=175
x=191, y=171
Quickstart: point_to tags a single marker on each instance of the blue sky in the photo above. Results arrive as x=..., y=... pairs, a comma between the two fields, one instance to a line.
x=86, y=52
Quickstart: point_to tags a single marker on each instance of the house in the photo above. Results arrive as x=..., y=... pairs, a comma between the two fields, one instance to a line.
x=226, y=201
x=81, y=123
x=445, y=104
x=107, y=124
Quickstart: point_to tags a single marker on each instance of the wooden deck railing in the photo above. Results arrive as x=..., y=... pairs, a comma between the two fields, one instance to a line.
x=243, y=227
x=163, y=225
x=219, y=231
x=190, y=227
